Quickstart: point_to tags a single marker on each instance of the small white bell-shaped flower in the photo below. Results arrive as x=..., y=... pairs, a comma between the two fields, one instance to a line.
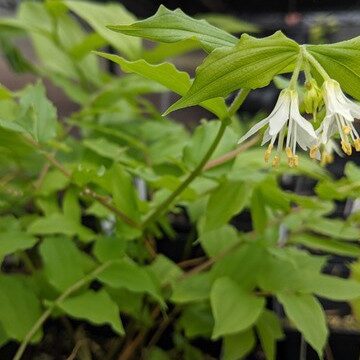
x=340, y=115
x=285, y=120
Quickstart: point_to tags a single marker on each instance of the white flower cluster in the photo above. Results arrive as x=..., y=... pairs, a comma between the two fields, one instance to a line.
x=291, y=129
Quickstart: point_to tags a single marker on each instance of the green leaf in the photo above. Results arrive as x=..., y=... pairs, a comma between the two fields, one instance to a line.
x=334, y=228
x=119, y=183
x=38, y=115
x=258, y=211
x=196, y=320
x=165, y=270
x=234, y=309
x=54, y=181
x=232, y=193
x=269, y=330
x=216, y=241
x=128, y=275
x=62, y=262
x=100, y=15
x=167, y=75
x=308, y=317
x=237, y=346
x=332, y=287
x=326, y=244
x=342, y=62
x=12, y=241
x=173, y=26
x=130, y=303
x=60, y=224
x=95, y=307
x=251, y=64
x=105, y=148
x=109, y=248
x=19, y=308
x=250, y=256
x=201, y=140
x=352, y=171
x=71, y=206
x=164, y=51
x=191, y=289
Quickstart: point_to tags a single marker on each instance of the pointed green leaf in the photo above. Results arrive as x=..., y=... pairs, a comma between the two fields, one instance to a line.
x=167, y=75
x=100, y=15
x=326, y=244
x=12, y=241
x=172, y=26
x=237, y=346
x=232, y=193
x=308, y=316
x=251, y=64
x=196, y=320
x=128, y=275
x=234, y=309
x=95, y=307
x=109, y=248
x=38, y=114
x=269, y=330
x=332, y=287
x=216, y=241
x=342, y=62
x=19, y=308
x=192, y=289
x=334, y=228
x=62, y=262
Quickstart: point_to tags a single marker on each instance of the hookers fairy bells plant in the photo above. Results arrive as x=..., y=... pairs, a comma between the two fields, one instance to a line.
x=121, y=231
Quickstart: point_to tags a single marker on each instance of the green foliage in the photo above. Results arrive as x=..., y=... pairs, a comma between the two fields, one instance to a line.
x=341, y=61
x=252, y=64
x=91, y=203
x=173, y=26
x=235, y=312
x=95, y=307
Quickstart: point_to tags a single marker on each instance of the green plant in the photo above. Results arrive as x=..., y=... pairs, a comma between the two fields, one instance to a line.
x=79, y=234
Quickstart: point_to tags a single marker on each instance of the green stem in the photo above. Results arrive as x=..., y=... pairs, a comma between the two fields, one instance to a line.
x=197, y=171
x=238, y=101
x=316, y=64
x=76, y=286
x=164, y=205
x=295, y=75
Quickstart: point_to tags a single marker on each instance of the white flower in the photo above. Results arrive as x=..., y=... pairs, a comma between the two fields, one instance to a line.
x=285, y=116
x=340, y=114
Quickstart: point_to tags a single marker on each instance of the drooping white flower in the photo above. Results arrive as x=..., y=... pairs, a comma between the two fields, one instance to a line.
x=285, y=120
x=340, y=115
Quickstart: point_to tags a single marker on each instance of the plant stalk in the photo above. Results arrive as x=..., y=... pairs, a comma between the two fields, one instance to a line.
x=238, y=101
x=47, y=313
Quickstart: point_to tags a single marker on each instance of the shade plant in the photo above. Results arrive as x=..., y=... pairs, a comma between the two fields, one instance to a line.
x=91, y=203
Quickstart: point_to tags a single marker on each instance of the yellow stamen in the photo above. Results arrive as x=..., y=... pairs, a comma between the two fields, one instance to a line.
x=314, y=151
x=289, y=153
x=357, y=144
x=296, y=160
x=346, y=147
x=293, y=161
x=326, y=158
x=276, y=161
x=346, y=129
x=268, y=153
x=330, y=158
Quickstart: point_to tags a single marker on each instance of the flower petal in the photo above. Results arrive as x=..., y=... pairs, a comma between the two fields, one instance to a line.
x=279, y=119
x=254, y=130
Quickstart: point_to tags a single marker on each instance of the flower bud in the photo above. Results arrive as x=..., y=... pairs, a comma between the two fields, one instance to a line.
x=312, y=98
